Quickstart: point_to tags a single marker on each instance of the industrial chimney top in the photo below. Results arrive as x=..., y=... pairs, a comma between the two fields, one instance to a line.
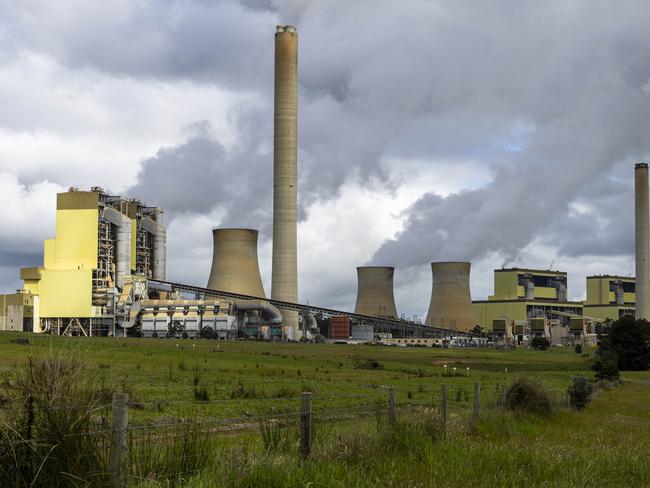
x=285, y=28
x=641, y=165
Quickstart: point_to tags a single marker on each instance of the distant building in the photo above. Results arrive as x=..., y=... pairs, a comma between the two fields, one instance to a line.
x=610, y=297
x=522, y=294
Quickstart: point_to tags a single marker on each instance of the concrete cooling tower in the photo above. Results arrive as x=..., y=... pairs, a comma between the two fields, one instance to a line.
x=642, y=241
x=451, y=302
x=284, y=284
x=234, y=262
x=375, y=291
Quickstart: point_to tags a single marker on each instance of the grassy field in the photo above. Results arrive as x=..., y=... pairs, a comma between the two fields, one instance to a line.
x=606, y=445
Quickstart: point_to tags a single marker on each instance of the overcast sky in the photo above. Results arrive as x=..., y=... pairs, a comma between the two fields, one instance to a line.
x=501, y=132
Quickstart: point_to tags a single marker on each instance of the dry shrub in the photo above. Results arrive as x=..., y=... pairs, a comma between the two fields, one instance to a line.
x=526, y=395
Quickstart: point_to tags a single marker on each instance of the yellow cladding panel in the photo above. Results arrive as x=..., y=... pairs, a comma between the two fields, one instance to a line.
x=505, y=285
x=32, y=286
x=76, y=239
x=602, y=312
x=134, y=241
x=486, y=312
x=629, y=297
x=594, y=292
x=66, y=293
x=49, y=253
x=544, y=292
x=521, y=291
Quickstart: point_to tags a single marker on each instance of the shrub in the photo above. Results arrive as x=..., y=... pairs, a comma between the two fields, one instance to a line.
x=578, y=348
x=606, y=368
x=528, y=396
x=201, y=394
x=369, y=364
x=540, y=343
x=580, y=392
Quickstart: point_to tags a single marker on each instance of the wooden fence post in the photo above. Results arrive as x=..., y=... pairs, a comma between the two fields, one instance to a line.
x=120, y=422
x=443, y=407
x=392, y=406
x=305, y=424
x=477, y=399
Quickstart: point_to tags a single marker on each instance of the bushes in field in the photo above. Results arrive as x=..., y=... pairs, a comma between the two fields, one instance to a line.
x=369, y=364
x=540, y=343
x=580, y=392
x=526, y=395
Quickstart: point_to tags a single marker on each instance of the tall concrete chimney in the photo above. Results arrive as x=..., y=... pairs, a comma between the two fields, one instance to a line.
x=375, y=291
x=234, y=262
x=284, y=279
x=642, y=241
x=451, y=302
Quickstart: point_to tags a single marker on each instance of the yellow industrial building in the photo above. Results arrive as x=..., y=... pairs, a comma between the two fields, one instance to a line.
x=103, y=246
x=523, y=294
x=610, y=297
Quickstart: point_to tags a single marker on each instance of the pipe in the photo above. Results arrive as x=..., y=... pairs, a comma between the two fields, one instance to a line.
x=274, y=314
x=159, y=233
x=122, y=243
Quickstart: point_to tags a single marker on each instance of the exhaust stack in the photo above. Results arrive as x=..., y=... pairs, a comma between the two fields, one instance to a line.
x=642, y=241
x=375, y=291
x=234, y=262
x=451, y=302
x=284, y=284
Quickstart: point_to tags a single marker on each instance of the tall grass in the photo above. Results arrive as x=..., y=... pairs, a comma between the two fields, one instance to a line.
x=46, y=434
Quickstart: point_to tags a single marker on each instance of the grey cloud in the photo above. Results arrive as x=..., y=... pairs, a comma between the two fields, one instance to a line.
x=201, y=176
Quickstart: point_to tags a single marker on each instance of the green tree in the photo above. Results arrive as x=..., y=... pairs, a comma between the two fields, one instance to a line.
x=627, y=342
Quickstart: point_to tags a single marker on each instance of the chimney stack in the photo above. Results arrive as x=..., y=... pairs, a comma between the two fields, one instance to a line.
x=284, y=284
x=642, y=241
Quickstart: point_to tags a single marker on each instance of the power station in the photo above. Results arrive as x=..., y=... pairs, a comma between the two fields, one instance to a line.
x=104, y=273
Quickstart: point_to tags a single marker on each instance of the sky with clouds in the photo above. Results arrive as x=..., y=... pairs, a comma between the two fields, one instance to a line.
x=503, y=132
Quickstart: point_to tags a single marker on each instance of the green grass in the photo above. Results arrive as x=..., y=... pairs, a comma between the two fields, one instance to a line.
x=606, y=445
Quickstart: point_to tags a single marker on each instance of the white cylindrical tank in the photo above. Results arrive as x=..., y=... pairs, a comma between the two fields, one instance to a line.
x=375, y=291
x=235, y=267
x=451, y=301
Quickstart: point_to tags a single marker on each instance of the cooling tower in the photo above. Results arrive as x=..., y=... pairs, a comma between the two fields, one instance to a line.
x=234, y=262
x=642, y=241
x=284, y=285
x=375, y=291
x=451, y=302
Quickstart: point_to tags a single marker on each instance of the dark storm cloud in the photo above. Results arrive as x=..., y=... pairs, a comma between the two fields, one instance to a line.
x=200, y=176
x=549, y=95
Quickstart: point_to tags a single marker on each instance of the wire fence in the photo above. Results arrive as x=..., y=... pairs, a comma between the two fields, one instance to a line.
x=120, y=446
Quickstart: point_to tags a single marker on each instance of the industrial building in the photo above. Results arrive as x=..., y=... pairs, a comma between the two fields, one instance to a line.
x=104, y=250
x=523, y=294
x=610, y=297
x=18, y=311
